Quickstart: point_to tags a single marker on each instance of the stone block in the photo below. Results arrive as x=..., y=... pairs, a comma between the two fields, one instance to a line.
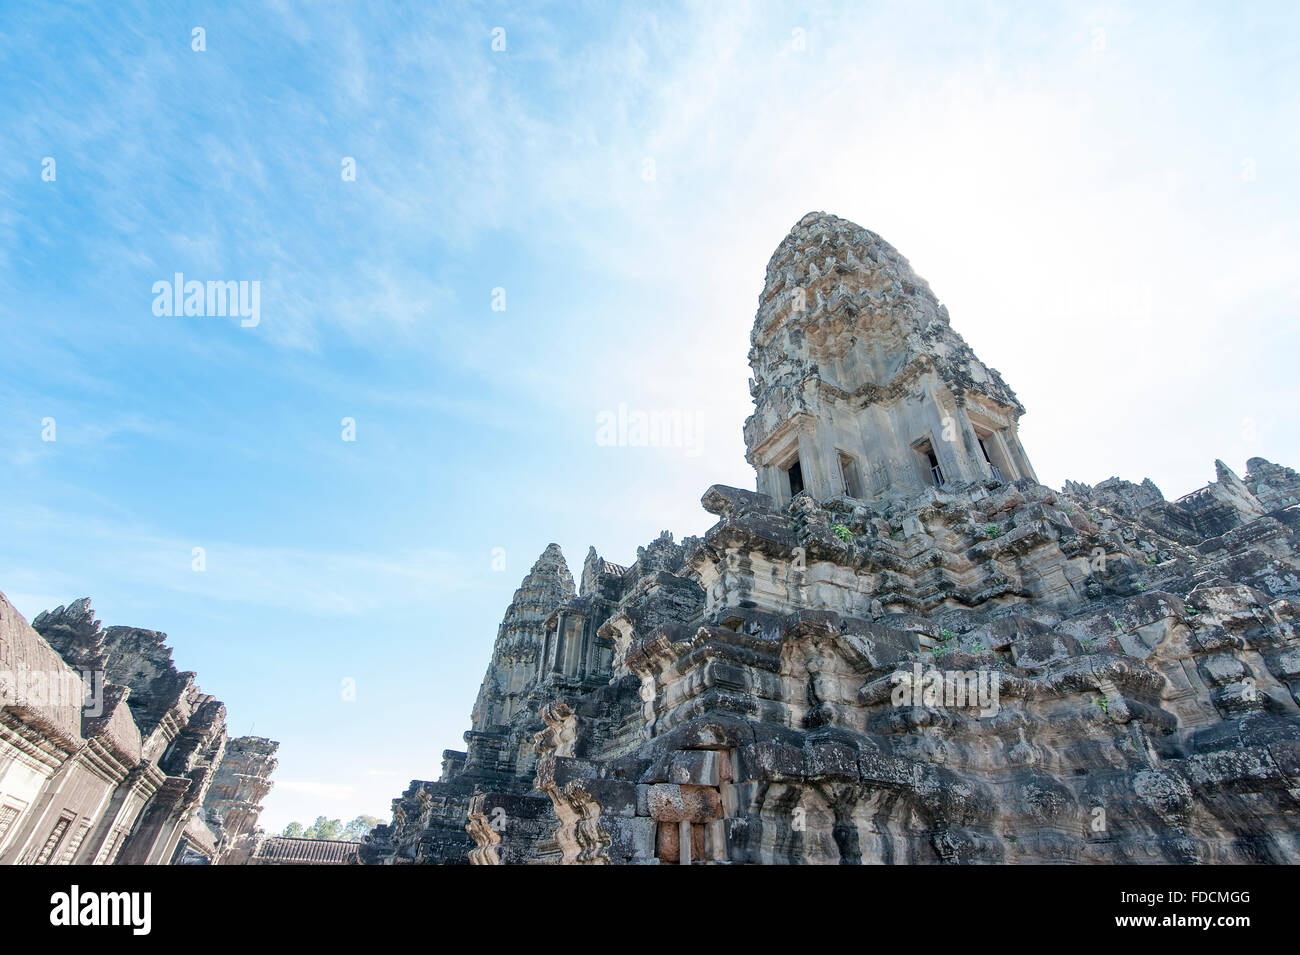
x=673, y=803
x=696, y=767
x=831, y=759
x=769, y=760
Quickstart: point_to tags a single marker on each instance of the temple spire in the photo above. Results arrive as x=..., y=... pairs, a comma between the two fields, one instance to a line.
x=861, y=387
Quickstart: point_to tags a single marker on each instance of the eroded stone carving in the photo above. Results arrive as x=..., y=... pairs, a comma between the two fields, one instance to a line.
x=901, y=648
x=133, y=766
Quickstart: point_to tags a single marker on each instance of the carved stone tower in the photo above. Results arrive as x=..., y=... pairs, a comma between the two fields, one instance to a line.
x=527, y=651
x=899, y=674
x=861, y=387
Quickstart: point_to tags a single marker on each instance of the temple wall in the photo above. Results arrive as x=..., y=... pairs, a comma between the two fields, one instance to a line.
x=84, y=778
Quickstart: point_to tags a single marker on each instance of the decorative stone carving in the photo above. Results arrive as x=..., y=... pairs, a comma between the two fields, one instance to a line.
x=129, y=762
x=980, y=669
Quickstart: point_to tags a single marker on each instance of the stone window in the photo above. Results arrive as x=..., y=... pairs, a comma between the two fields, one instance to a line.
x=52, y=842
x=111, y=845
x=849, y=475
x=997, y=471
x=933, y=473
x=7, y=816
x=991, y=449
x=70, y=851
x=795, y=473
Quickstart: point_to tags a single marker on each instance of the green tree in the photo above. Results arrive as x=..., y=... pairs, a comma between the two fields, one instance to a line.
x=293, y=830
x=357, y=829
x=324, y=828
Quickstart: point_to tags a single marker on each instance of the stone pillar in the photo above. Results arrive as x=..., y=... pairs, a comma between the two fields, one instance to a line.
x=830, y=460
x=974, y=458
x=588, y=642
x=557, y=661
x=157, y=824
x=109, y=819
x=1016, y=453
x=949, y=453
x=954, y=456
x=175, y=829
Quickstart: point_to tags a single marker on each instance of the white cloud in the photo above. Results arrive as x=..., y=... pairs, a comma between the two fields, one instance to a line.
x=331, y=792
x=312, y=582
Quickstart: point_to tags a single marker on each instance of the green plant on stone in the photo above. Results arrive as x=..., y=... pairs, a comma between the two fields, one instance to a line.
x=842, y=532
x=945, y=634
x=993, y=530
x=1104, y=703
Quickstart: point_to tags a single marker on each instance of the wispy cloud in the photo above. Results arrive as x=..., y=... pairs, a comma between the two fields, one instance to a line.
x=311, y=582
x=329, y=792
x=1104, y=197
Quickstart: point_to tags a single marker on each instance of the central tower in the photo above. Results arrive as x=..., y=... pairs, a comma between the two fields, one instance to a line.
x=861, y=387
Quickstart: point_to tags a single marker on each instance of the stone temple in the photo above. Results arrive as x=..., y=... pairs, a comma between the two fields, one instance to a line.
x=900, y=648
x=111, y=756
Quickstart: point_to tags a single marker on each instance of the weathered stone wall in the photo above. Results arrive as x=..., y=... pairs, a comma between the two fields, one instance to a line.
x=972, y=669
x=1145, y=705
x=233, y=801
x=858, y=376
x=115, y=770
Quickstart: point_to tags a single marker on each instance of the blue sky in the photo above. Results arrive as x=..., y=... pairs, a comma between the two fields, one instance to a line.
x=1104, y=195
